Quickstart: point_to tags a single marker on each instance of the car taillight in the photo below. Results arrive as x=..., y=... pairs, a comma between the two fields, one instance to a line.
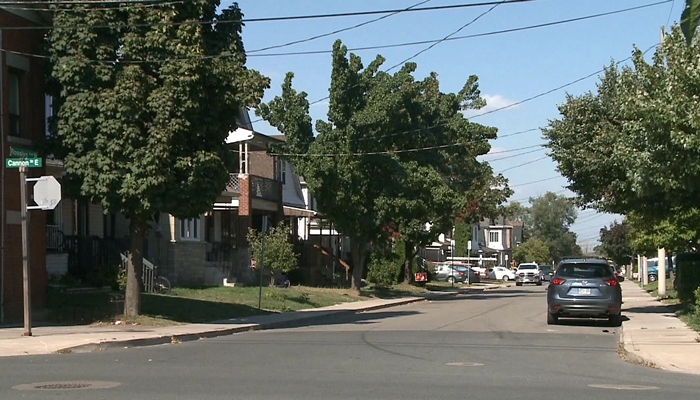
x=558, y=281
x=461, y=273
x=476, y=273
x=611, y=282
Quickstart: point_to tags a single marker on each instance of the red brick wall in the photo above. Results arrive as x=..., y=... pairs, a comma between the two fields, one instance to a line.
x=33, y=118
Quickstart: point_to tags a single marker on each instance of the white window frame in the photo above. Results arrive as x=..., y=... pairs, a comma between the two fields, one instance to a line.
x=191, y=229
x=495, y=234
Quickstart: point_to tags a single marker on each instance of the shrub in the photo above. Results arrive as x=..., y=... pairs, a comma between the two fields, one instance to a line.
x=688, y=267
x=382, y=269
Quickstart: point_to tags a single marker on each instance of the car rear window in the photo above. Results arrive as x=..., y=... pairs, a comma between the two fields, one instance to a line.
x=584, y=271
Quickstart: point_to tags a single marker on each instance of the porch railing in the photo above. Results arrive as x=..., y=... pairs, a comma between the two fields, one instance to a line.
x=233, y=185
x=264, y=188
x=55, y=238
x=148, y=273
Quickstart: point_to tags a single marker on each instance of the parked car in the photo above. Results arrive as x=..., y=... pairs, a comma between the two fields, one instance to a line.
x=502, y=273
x=528, y=273
x=584, y=288
x=547, y=271
x=455, y=273
x=653, y=269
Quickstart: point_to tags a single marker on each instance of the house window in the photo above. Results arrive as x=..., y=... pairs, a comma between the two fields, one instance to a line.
x=494, y=237
x=189, y=229
x=283, y=172
x=15, y=105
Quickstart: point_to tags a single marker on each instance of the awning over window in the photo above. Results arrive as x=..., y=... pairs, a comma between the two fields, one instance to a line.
x=290, y=211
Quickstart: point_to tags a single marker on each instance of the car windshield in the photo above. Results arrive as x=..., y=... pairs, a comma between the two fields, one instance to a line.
x=530, y=266
x=460, y=268
x=584, y=271
x=546, y=268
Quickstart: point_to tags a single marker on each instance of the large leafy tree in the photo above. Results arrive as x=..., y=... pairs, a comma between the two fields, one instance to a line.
x=549, y=218
x=615, y=243
x=395, y=153
x=631, y=146
x=146, y=94
x=534, y=250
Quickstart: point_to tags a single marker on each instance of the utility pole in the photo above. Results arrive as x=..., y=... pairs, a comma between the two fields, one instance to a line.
x=26, y=276
x=661, y=266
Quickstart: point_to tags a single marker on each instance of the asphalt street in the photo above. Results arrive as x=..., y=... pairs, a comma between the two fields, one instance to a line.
x=490, y=345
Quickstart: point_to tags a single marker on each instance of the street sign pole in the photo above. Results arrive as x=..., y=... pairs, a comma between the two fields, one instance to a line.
x=25, y=252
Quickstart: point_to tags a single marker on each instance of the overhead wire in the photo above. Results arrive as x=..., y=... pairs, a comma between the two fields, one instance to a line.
x=309, y=39
x=263, y=19
x=471, y=36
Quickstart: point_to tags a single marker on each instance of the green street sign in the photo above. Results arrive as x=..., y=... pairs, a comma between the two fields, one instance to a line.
x=27, y=162
x=19, y=152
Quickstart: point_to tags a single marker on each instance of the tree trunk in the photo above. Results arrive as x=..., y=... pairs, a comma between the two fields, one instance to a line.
x=408, y=263
x=358, y=250
x=132, y=298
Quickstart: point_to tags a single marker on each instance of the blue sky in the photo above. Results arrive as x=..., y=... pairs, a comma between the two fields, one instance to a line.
x=511, y=66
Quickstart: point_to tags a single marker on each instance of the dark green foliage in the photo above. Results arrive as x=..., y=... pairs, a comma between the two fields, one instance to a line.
x=688, y=267
x=143, y=108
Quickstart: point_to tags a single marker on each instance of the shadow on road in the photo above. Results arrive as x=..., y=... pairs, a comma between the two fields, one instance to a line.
x=594, y=322
x=322, y=318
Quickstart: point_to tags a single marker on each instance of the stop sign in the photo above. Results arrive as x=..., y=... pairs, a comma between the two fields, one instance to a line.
x=47, y=192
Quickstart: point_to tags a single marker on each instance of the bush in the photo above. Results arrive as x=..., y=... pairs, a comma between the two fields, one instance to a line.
x=688, y=267
x=382, y=269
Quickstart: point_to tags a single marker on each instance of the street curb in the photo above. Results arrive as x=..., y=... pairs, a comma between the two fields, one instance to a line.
x=630, y=356
x=188, y=337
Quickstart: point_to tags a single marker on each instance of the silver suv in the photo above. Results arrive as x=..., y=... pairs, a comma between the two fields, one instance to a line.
x=584, y=288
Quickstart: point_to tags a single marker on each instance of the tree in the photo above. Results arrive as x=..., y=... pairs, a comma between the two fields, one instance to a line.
x=278, y=250
x=534, y=250
x=630, y=147
x=462, y=236
x=145, y=97
x=548, y=218
x=690, y=19
x=376, y=121
x=615, y=243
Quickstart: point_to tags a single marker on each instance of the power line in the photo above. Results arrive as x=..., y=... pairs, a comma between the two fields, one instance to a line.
x=335, y=31
x=446, y=37
x=523, y=164
x=266, y=19
x=490, y=33
x=537, y=181
x=490, y=160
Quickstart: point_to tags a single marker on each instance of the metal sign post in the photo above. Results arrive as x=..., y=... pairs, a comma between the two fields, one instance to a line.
x=26, y=276
x=47, y=194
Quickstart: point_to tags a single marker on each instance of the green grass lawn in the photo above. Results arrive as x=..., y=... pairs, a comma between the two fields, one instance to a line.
x=684, y=312
x=207, y=304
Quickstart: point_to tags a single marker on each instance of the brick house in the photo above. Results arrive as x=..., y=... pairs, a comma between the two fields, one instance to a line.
x=22, y=127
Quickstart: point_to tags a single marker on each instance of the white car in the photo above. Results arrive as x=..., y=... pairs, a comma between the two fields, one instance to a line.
x=502, y=273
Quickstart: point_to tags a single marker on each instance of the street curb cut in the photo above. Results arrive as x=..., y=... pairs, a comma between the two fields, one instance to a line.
x=188, y=337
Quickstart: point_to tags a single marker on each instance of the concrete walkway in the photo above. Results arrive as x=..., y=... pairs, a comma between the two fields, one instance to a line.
x=652, y=334
x=86, y=338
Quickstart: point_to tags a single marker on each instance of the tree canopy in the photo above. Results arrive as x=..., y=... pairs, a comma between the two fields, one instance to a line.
x=615, y=242
x=631, y=146
x=145, y=96
x=395, y=153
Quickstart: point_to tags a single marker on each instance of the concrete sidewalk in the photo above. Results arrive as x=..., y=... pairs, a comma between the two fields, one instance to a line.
x=654, y=336
x=86, y=338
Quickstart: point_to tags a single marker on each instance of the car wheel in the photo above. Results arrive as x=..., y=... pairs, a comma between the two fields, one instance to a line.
x=539, y=283
x=518, y=283
x=451, y=279
x=652, y=278
x=505, y=278
x=552, y=319
x=615, y=320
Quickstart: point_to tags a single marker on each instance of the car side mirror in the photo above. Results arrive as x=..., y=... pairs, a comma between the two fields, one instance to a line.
x=620, y=278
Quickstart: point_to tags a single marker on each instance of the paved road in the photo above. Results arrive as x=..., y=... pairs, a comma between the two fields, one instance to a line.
x=494, y=345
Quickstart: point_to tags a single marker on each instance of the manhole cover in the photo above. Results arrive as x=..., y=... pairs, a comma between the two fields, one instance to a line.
x=67, y=385
x=623, y=387
x=464, y=364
